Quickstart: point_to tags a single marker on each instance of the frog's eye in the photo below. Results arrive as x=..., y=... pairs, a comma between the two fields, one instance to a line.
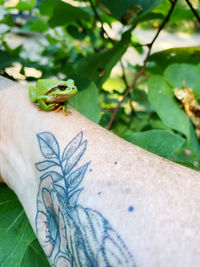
x=62, y=87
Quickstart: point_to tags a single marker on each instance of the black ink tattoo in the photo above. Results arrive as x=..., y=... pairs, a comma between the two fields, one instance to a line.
x=72, y=235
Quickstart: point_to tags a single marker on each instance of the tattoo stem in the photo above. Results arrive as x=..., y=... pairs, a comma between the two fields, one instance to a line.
x=142, y=70
x=193, y=10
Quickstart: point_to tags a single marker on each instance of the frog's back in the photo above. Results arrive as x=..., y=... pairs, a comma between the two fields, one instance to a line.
x=43, y=85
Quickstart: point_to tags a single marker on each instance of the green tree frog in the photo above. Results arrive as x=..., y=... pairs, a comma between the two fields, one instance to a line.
x=49, y=94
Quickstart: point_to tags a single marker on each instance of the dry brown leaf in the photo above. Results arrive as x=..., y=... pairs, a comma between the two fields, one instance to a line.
x=191, y=106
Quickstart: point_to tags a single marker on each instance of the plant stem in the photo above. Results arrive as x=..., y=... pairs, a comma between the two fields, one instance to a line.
x=100, y=20
x=193, y=10
x=142, y=70
x=124, y=78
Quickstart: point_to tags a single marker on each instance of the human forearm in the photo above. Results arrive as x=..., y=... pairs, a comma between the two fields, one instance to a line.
x=144, y=199
x=20, y=151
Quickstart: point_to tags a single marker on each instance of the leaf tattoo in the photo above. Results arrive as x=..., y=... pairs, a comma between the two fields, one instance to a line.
x=48, y=145
x=70, y=234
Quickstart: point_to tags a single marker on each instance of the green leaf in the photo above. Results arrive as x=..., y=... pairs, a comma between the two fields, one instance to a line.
x=160, y=142
x=135, y=42
x=35, y=25
x=6, y=60
x=25, y=5
x=128, y=10
x=86, y=101
x=16, y=233
x=162, y=99
x=64, y=13
x=8, y=20
x=97, y=67
x=75, y=32
x=149, y=16
x=163, y=7
x=188, y=73
x=160, y=60
x=140, y=96
x=46, y=7
x=180, y=14
x=13, y=52
x=34, y=255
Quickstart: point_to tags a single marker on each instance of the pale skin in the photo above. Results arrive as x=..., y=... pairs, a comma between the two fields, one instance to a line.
x=163, y=229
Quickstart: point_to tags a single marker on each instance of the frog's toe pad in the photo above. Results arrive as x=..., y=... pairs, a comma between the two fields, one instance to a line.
x=67, y=112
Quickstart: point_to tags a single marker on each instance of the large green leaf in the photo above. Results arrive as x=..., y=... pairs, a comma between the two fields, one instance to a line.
x=5, y=59
x=180, y=14
x=35, y=25
x=23, y=5
x=15, y=231
x=35, y=255
x=190, y=74
x=127, y=10
x=97, y=67
x=14, y=53
x=64, y=13
x=16, y=234
x=160, y=142
x=162, y=99
x=86, y=101
x=46, y=7
x=149, y=16
x=160, y=60
x=163, y=7
x=8, y=20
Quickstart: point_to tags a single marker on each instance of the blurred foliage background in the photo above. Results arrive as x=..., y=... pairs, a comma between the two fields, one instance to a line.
x=125, y=84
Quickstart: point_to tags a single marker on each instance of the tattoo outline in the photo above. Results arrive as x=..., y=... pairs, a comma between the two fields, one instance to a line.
x=70, y=234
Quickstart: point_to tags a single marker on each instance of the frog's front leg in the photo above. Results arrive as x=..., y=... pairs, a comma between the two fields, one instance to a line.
x=47, y=107
x=66, y=112
x=32, y=93
x=64, y=108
